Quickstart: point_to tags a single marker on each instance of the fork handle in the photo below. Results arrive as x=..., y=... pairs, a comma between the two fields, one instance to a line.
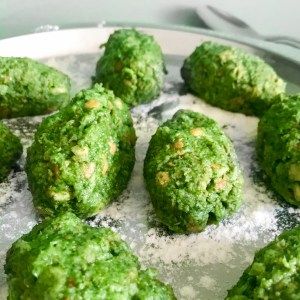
x=284, y=40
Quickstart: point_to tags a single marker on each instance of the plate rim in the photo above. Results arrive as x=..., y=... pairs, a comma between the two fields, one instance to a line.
x=246, y=41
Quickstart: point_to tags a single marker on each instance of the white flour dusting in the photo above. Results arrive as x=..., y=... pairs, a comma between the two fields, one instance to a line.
x=188, y=292
x=199, y=266
x=207, y=282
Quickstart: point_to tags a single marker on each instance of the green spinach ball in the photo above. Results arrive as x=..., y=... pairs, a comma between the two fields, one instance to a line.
x=29, y=88
x=231, y=79
x=132, y=66
x=191, y=173
x=63, y=258
x=274, y=273
x=82, y=157
x=10, y=150
x=278, y=147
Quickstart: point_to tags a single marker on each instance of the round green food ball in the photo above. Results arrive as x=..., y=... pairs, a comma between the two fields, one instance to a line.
x=231, y=79
x=274, y=273
x=29, y=88
x=10, y=150
x=132, y=66
x=82, y=157
x=191, y=173
x=63, y=258
x=278, y=147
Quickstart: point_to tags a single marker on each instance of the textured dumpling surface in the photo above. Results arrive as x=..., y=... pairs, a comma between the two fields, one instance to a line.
x=274, y=272
x=82, y=157
x=278, y=147
x=191, y=173
x=29, y=88
x=132, y=66
x=10, y=150
x=63, y=258
x=231, y=79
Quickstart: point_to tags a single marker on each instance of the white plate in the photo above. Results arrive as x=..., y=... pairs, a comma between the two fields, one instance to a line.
x=200, y=265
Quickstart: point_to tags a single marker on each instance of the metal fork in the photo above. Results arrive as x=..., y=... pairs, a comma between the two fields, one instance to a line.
x=241, y=24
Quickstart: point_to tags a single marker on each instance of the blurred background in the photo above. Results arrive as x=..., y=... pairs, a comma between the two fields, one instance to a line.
x=275, y=22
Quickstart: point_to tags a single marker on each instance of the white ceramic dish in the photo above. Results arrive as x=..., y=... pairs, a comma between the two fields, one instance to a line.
x=199, y=266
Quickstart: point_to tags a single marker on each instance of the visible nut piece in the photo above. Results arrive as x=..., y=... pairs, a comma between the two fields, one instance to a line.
x=178, y=145
x=215, y=167
x=297, y=192
x=59, y=90
x=225, y=56
x=89, y=170
x=171, y=164
x=294, y=172
x=105, y=167
x=196, y=132
x=127, y=82
x=118, y=103
x=60, y=196
x=162, y=178
x=112, y=147
x=81, y=152
x=93, y=103
x=220, y=183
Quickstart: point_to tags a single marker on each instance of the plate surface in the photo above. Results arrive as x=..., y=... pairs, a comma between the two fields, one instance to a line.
x=199, y=266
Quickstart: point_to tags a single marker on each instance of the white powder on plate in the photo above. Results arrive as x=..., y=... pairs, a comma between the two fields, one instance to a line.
x=187, y=292
x=200, y=265
x=221, y=251
x=207, y=282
